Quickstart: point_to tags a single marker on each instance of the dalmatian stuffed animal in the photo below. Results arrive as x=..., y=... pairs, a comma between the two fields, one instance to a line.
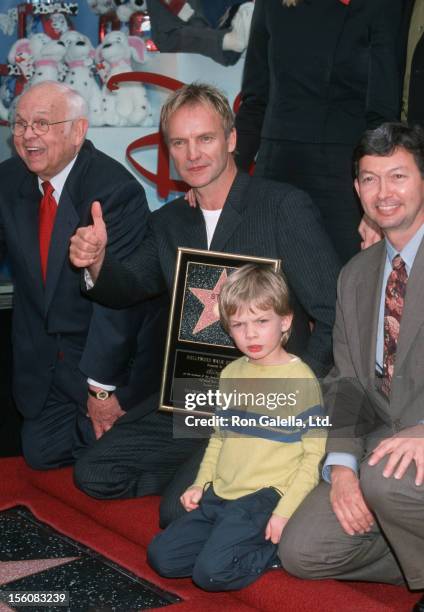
x=125, y=8
x=39, y=58
x=129, y=104
x=79, y=59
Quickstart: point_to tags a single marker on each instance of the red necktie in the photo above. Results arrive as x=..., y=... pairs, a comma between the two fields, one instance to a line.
x=48, y=209
x=393, y=308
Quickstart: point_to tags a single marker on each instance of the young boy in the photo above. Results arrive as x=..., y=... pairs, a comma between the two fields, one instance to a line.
x=252, y=478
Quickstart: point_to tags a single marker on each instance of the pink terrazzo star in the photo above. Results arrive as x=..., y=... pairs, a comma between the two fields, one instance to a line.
x=13, y=570
x=209, y=298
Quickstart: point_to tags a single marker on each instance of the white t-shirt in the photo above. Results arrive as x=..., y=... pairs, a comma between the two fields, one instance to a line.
x=211, y=219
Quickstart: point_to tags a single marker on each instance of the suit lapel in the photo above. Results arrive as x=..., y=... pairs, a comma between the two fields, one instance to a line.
x=192, y=232
x=26, y=211
x=413, y=313
x=231, y=216
x=368, y=295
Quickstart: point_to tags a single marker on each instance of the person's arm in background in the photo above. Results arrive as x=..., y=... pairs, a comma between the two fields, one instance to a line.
x=384, y=85
x=383, y=96
x=255, y=90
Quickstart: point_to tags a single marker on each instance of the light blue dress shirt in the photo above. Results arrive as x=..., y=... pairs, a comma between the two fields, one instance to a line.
x=408, y=254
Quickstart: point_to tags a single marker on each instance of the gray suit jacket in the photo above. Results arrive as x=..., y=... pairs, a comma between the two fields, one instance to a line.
x=360, y=413
x=261, y=218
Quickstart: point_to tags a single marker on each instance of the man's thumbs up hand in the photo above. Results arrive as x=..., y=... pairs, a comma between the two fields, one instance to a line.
x=88, y=244
x=98, y=223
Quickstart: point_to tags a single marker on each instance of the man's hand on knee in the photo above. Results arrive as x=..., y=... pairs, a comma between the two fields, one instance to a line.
x=103, y=413
x=348, y=502
x=403, y=448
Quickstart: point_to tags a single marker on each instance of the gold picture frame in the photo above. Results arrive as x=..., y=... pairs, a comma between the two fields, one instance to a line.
x=197, y=347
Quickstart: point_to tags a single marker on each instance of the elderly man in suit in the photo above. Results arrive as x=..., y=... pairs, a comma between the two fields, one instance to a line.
x=69, y=354
x=236, y=214
x=366, y=521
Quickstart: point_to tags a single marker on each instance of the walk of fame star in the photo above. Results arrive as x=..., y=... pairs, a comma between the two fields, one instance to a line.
x=13, y=570
x=209, y=299
x=35, y=558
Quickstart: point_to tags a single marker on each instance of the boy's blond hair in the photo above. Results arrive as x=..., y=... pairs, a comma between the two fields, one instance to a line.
x=193, y=95
x=255, y=286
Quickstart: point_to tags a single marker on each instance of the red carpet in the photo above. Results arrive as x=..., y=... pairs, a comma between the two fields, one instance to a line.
x=121, y=530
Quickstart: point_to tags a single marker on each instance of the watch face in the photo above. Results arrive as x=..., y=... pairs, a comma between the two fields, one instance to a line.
x=102, y=395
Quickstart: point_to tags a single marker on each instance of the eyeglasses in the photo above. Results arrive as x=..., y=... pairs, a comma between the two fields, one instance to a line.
x=39, y=126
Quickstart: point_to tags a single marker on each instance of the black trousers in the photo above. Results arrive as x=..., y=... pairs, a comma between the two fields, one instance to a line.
x=324, y=171
x=61, y=432
x=142, y=455
x=221, y=544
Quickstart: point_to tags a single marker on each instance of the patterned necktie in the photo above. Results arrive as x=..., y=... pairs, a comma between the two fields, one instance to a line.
x=393, y=308
x=48, y=210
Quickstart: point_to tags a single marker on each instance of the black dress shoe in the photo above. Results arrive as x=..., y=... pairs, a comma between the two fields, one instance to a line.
x=275, y=563
x=419, y=606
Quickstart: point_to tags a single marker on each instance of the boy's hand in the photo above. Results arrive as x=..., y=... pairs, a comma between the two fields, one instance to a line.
x=190, y=498
x=275, y=527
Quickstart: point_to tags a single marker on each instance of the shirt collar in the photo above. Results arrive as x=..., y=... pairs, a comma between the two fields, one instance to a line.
x=409, y=251
x=59, y=180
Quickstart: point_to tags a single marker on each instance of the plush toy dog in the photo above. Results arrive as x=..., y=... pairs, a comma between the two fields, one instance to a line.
x=39, y=58
x=129, y=104
x=125, y=8
x=79, y=59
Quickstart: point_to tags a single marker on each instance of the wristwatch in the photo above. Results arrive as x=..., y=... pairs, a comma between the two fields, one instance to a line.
x=101, y=394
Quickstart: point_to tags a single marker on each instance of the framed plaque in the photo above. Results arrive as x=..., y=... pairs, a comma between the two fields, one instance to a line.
x=197, y=346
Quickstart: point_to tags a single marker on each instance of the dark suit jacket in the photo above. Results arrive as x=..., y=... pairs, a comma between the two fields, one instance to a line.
x=360, y=412
x=262, y=218
x=57, y=321
x=318, y=72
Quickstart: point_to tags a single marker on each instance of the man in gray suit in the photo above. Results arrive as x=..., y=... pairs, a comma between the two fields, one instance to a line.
x=236, y=214
x=366, y=521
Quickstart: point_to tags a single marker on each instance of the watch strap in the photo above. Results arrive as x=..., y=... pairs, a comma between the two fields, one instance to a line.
x=100, y=394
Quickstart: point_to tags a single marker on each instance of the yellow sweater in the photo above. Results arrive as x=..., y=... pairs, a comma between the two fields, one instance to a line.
x=279, y=447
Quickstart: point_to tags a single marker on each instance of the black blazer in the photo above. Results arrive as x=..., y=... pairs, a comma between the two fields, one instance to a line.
x=262, y=218
x=319, y=72
x=57, y=321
